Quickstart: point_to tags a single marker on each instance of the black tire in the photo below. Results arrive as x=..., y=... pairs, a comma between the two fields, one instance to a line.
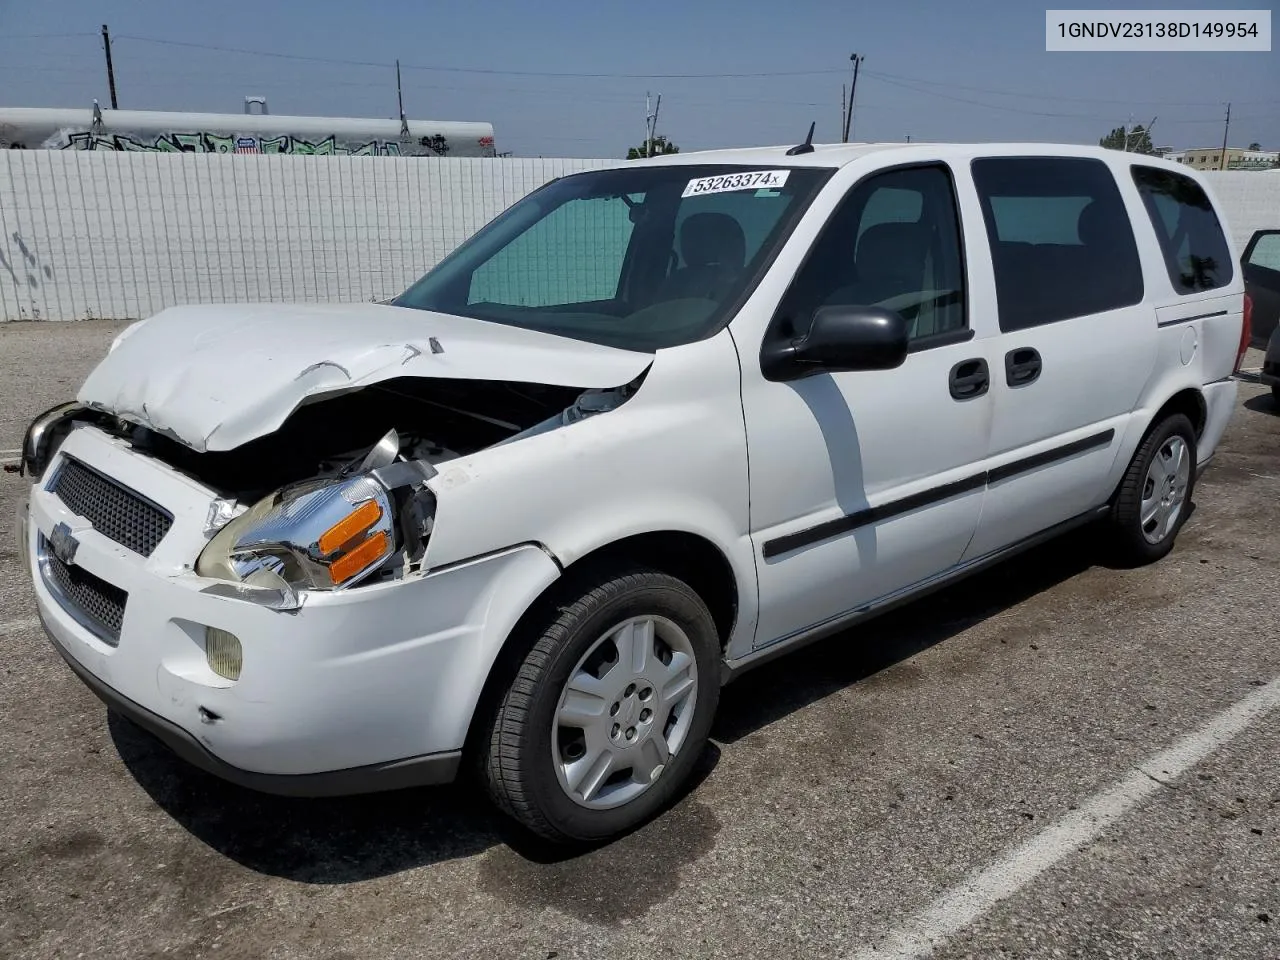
x=516, y=758
x=1275, y=393
x=1129, y=542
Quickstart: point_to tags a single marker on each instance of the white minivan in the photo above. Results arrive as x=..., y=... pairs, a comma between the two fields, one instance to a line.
x=652, y=426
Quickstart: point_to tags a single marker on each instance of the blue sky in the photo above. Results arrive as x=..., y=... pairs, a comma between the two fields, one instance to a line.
x=933, y=71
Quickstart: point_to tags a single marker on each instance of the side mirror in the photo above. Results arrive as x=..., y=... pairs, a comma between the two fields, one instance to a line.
x=839, y=339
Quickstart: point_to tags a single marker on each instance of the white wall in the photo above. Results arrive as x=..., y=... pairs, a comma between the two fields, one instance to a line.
x=1251, y=200
x=123, y=235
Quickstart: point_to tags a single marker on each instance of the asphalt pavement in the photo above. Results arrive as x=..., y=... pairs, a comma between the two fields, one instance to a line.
x=1054, y=759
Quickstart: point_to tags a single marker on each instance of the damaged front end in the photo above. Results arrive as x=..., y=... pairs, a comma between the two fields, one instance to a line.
x=323, y=534
x=321, y=477
x=339, y=495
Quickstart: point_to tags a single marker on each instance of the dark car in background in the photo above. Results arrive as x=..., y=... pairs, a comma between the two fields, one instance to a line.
x=1261, y=262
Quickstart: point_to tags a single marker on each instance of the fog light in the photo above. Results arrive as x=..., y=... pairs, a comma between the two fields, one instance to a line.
x=222, y=651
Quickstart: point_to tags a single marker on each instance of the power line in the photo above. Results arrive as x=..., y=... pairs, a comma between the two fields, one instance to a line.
x=476, y=70
x=1042, y=96
x=979, y=103
x=1022, y=110
x=897, y=79
x=63, y=77
x=44, y=36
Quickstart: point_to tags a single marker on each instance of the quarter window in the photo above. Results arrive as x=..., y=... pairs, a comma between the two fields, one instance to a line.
x=893, y=242
x=1195, y=249
x=1061, y=242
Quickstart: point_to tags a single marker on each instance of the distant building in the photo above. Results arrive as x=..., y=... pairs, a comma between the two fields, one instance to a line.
x=1210, y=158
x=38, y=128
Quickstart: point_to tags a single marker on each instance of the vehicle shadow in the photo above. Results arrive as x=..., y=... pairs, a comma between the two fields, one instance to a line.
x=335, y=840
x=1263, y=403
x=801, y=678
x=342, y=840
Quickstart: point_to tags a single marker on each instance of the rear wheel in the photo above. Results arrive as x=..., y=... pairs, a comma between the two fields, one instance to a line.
x=609, y=710
x=1155, y=495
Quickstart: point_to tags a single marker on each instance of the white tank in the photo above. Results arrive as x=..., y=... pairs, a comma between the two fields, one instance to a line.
x=39, y=128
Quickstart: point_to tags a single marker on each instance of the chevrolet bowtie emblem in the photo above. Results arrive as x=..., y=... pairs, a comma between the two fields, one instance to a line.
x=63, y=544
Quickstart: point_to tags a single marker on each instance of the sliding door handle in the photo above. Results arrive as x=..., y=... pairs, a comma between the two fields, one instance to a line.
x=969, y=379
x=1022, y=366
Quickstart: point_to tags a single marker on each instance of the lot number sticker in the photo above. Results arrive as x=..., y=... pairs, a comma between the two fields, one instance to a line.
x=735, y=181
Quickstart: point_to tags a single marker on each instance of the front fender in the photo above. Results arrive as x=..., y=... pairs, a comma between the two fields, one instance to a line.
x=671, y=458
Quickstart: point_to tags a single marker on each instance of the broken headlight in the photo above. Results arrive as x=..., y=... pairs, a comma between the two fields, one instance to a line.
x=324, y=535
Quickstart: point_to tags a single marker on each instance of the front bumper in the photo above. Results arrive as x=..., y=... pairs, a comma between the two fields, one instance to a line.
x=358, y=690
x=413, y=772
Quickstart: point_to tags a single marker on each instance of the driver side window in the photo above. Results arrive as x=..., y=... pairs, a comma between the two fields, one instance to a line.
x=893, y=242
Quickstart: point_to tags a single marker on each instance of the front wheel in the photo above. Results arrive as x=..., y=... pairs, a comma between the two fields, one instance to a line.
x=1155, y=495
x=609, y=710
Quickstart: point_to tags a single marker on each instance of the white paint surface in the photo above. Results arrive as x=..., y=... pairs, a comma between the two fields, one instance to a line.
x=216, y=377
x=966, y=903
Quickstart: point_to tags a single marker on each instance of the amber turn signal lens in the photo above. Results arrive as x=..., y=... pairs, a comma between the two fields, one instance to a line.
x=371, y=551
x=349, y=527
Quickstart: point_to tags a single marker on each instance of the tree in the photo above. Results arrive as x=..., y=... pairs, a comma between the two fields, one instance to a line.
x=660, y=146
x=1255, y=146
x=1136, y=140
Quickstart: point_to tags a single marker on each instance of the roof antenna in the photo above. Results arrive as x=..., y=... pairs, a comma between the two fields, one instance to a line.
x=807, y=146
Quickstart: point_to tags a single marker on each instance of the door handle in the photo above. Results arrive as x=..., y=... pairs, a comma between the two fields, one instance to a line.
x=969, y=379
x=1022, y=366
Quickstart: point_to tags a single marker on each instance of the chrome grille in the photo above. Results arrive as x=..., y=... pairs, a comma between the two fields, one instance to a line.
x=115, y=511
x=98, y=605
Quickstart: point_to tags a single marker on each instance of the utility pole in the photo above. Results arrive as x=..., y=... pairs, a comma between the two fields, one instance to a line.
x=404, y=124
x=844, y=91
x=653, y=130
x=111, y=74
x=650, y=124
x=853, y=92
x=1222, y=165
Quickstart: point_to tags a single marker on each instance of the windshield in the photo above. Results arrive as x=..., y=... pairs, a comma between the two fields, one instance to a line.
x=639, y=258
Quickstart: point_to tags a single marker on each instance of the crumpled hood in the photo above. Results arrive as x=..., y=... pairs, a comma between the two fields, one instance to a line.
x=215, y=377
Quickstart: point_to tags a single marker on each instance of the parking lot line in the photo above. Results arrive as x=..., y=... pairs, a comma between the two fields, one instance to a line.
x=982, y=890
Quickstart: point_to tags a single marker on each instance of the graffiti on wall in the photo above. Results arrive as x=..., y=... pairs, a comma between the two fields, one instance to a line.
x=436, y=145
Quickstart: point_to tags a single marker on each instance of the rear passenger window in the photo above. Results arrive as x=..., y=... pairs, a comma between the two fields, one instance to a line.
x=1195, y=250
x=1061, y=242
